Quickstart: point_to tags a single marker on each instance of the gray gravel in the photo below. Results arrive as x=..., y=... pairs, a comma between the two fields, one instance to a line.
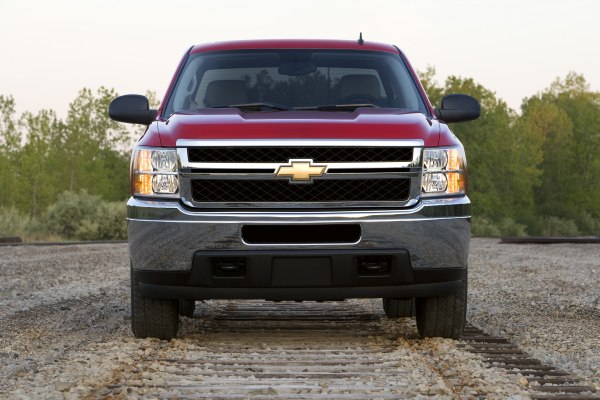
x=544, y=298
x=64, y=329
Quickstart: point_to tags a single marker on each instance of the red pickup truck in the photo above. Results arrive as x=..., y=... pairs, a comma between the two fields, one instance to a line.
x=298, y=170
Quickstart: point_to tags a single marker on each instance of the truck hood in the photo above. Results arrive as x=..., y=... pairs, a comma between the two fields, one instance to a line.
x=363, y=123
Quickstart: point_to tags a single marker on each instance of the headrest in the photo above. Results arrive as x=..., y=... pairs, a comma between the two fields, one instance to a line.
x=359, y=84
x=225, y=92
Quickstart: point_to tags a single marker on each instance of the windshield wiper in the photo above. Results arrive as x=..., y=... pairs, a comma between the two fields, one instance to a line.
x=256, y=107
x=281, y=107
x=337, y=107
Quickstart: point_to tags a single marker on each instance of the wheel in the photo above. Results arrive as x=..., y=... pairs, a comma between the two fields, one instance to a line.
x=157, y=318
x=442, y=316
x=399, y=308
x=187, y=307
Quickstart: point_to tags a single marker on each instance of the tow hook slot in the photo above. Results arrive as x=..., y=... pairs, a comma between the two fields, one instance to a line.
x=228, y=267
x=374, y=265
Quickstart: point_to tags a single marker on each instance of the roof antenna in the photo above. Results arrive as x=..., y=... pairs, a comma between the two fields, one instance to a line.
x=360, y=40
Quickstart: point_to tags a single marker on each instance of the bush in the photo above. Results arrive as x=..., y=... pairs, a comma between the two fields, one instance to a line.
x=554, y=226
x=113, y=223
x=83, y=216
x=482, y=226
x=508, y=227
x=87, y=230
x=13, y=223
x=588, y=225
x=67, y=215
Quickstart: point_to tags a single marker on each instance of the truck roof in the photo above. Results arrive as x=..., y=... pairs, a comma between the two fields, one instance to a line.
x=294, y=44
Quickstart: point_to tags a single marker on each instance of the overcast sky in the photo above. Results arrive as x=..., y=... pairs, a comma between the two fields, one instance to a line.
x=49, y=50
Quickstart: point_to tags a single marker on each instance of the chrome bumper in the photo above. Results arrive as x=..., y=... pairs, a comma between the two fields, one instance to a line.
x=164, y=235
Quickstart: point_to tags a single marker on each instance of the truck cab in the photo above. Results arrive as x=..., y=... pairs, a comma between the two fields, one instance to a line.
x=298, y=170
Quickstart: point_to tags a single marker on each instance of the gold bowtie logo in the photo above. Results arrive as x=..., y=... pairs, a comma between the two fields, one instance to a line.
x=301, y=171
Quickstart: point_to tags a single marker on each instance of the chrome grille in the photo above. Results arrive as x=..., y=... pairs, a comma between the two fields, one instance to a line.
x=274, y=191
x=283, y=154
x=243, y=173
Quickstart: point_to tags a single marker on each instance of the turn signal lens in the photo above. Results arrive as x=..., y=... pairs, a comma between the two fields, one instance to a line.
x=143, y=184
x=456, y=183
x=143, y=160
x=454, y=160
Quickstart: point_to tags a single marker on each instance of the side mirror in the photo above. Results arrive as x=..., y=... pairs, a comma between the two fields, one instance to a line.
x=458, y=108
x=131, y=108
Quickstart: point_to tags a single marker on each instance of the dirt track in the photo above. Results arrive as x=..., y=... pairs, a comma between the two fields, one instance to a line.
x=64, y=333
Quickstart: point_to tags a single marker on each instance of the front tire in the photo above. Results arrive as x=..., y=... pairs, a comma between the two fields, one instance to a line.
x=443, y=316
x=399, y=308
x=157, y=318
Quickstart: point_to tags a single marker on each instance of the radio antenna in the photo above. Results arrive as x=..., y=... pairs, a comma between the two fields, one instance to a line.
x=360, y=39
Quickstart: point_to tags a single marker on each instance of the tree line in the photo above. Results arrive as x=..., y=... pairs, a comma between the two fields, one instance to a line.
x=534, y=172
x=42, y=155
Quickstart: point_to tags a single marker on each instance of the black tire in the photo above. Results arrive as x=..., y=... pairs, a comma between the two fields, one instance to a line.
x=399, y=308
x=442, y=316
x=187, y=307
x=157, y=318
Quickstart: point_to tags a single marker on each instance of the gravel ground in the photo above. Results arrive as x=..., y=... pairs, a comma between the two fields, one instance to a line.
x=64, y=332
x=544, y=298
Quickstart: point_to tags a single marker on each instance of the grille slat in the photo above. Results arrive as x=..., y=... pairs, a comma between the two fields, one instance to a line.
x=281, y=191
x=284, y=154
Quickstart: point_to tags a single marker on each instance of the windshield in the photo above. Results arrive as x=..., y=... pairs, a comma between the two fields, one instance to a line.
x=273, y=80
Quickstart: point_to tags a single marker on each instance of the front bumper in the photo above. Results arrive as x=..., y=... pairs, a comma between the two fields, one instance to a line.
x=174, y=252
x=164, y=235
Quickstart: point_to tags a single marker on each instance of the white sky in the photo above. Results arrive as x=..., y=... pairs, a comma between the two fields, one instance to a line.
x=49, y=50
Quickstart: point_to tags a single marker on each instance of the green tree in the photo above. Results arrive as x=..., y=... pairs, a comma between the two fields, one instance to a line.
x=567, y=115
x=10, y=142
x=95, y=147
x=38, y=160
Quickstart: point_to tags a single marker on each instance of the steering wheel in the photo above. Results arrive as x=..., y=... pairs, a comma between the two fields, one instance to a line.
x=360, y=98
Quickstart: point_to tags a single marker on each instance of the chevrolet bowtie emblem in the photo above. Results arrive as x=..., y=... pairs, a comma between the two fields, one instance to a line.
x=301, y=171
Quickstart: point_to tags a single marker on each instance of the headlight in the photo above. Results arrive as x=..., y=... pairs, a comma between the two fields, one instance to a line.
x=443, y=172
x=154, y=172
